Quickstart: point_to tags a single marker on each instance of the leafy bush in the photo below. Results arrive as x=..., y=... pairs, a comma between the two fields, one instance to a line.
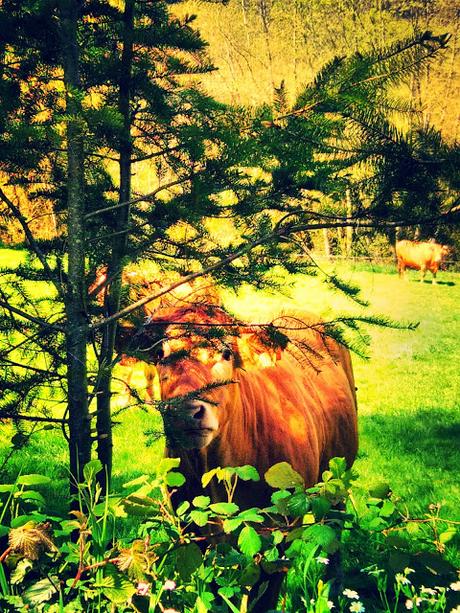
x=86, y=564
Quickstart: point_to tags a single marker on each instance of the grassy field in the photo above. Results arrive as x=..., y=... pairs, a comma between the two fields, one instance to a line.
x=408, y=391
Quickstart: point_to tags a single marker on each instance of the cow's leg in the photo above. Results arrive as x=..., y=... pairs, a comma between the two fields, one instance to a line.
x=401, y=270
x=422, y=273
x=434, y=270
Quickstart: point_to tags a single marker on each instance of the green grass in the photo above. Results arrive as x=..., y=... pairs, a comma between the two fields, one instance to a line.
x=408, y=391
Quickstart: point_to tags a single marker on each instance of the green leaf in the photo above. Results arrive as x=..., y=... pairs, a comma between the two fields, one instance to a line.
x=183, y=507
x=282, y=476
x=22, y=568
x=199, y=517
x=115, y=586
x=201, y=501
x=91, y=469
x=175, y=479
x=224, y=508
x=338, y=466
x=206, y=478
x=230, y=525
x=249, y=541
x=380, y=490
x=188, y=559
x=388, y=508
x=298, y=504
x=167, y=464
x=33, y=480
x=321, y=535
x=3, y=530
x=447, y=535
x=247, y=473
x=251, y=515
x=41, y=591
x=320, y=506
x=32, y=496
x=250, y=574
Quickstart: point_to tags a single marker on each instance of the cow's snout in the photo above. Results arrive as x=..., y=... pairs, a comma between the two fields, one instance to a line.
x=192, y=425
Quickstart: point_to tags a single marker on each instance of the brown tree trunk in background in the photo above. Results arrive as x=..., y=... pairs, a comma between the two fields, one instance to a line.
x=349, y=229
x=327, y=244
x=77, y=321
x=245, y=11
x=264, y=12
x=118, y=252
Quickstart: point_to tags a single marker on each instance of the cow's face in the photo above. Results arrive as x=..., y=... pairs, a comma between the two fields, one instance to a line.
x=195, y=383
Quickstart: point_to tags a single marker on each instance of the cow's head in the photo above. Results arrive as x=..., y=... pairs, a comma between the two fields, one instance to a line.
x=198, y=353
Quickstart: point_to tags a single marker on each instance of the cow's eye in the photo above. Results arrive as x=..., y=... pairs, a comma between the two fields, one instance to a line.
x=227, y=354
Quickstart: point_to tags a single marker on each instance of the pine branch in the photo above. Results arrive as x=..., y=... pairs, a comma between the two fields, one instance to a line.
x=31, y=240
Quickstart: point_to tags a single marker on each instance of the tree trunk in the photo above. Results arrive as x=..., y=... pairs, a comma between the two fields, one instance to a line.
x=349, y=229
x=118, y=252
x=77, y=321
x=327, y=244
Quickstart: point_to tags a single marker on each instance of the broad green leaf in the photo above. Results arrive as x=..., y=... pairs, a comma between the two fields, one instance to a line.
x=380, y=490
x=22, y=568
x=142, y=480
x=388, y=508
x=321, y=535
x=298, y=504
x=115, y=586
x=7, y=487
x=249, y=541
x=320, y=506
x=199, y=517
x=33, y=480
x=188, y=559
x=230, y=525
x=447, y=535
x=183, y=508
x=201, y=501
x=91, y=469
x=247, y=473
x=224, y=508
x=206, y=478
x=250, y=574
x=41, y=591
x=251, y=515
x=167, y=464
x=3, y=530
x=282, y=476
x=32, y=496
x=175, y=479
x=338, y=466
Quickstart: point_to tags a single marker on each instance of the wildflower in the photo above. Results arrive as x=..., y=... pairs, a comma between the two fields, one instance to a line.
x=169, y=585
x=455, y=586
x=330, y=604
x=428, y=590
x=409, y=604
x=400, y=578
x=170, y=611
x=357, y=607
x=142, y=588
x=350, y=593
x=456, y=610
x=322, y=560
x=408, y=571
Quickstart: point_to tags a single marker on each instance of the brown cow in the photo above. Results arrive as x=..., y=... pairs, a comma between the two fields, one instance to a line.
x=266, y=411
x=421, y=256
x=140, y=284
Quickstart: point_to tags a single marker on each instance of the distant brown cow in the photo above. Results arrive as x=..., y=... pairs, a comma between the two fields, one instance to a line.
x=421, y=256
x=271, y=407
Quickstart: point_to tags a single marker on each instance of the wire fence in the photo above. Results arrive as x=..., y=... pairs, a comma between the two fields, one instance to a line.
x=384, y=261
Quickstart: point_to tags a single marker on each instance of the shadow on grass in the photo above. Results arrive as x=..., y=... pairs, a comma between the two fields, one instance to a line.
x=429, y=282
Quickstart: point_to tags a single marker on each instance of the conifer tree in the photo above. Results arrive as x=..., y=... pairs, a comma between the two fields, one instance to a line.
x=91, y=86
